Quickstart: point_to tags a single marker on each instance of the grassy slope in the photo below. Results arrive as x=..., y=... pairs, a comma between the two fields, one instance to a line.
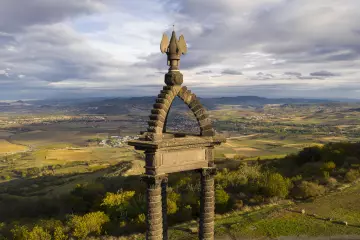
x=276, y=221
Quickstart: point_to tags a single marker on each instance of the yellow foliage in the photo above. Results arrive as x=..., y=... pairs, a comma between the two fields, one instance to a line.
x=117, y=199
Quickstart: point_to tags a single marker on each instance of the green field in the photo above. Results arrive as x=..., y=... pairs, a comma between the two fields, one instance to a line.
x=287, y=221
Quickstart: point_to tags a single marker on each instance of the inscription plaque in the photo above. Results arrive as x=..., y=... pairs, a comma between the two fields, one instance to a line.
x=183, y=160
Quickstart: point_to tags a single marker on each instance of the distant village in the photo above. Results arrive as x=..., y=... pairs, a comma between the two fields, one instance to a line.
x=113, y=141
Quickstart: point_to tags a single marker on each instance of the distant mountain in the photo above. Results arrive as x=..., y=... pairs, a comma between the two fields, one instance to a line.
x=142, y=105
x=128, y=105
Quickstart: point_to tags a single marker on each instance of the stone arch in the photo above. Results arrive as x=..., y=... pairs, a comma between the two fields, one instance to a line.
x=162, y=106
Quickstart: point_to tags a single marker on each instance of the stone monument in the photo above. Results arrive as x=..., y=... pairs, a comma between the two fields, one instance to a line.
x=169, y=152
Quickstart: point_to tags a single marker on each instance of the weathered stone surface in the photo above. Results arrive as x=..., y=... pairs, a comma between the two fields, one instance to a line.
x=153, y=129
x=197, y=107
x=167, y=153
x=194, y=103
x=163, y=101
x=156, y=123
x=200, y=112
x=181, y=91
x=159, y=112
x=190, y=98
x=173, y=78
x=154, y=206
x=164, y=184
x=207, y=204
x=209, y=154
x=166, y=87
x=209, y=132
x=157, y=117
x=203, y=116
x=205, y=122
x=206, y=128
x=165, y=107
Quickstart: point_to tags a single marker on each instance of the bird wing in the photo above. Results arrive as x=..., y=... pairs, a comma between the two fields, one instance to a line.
x=182, y=45
x=164, y=43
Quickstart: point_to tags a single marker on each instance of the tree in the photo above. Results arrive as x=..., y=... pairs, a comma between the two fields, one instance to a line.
x=92, y=222
x=309, y=154
x=117, y=205
x=275, y=185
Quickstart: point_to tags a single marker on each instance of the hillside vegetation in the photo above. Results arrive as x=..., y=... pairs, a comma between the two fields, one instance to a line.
x=115, y=204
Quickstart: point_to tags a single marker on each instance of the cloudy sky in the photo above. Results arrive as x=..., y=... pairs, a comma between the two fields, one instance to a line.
x=270, y=48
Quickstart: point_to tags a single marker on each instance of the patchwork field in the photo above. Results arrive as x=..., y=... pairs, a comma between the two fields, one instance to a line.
x=50, y=158
x=264, y=146
x=10, y=148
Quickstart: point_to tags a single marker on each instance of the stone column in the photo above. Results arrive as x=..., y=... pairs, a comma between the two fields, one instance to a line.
x=164, y=185
x=154, y=216
x=207, y=204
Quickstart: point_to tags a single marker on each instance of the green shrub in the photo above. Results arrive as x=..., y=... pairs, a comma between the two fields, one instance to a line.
x=20, y=232
x=307, y=189
x=296, y=178
x=329, y=166
x=221, y=199
x=140, y=219
x=311, y=169
x=38, y=233
x=235, y=181
x=171, y=207
x=275, y=185
x=238, y=204
x=326, y=174
x=352, y=175
x=6, y=177
x=59, y=233
x=92, y=222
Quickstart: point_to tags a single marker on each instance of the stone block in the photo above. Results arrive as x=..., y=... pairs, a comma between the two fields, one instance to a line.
x=156, y=123
x=208, y=133
x=161, y=106
x=159, y=112
x=197, y=107
x=202, y=116
x=206, y=128
x=173, y=78
x=205, y=122
x=194, y=103
x=182, y=90
x=163, y=101
x=157, y=130
x=157, y=117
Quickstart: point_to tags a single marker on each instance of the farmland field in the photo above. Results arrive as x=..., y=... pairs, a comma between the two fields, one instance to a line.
x=10, y=148
x=51, y=156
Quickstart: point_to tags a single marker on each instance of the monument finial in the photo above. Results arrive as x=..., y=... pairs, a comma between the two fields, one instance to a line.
x=173, y=49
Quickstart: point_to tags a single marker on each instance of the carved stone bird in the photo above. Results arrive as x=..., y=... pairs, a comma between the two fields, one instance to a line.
x=174, y=49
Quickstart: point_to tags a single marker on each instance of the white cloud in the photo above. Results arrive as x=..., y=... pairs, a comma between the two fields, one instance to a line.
x=106, y=46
